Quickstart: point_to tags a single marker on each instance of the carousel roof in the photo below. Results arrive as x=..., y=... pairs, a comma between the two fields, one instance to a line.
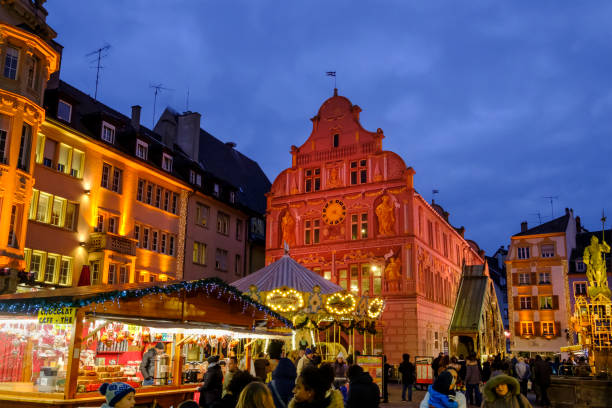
x=286, y=272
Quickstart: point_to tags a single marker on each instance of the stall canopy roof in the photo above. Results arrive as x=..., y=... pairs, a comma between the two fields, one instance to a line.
x=210, y=293
x=470, y=299
x=286, y=272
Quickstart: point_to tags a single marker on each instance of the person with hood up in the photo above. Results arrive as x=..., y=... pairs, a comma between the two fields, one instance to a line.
x=283, y=381
x=503, y=391
x=212, y=383
x=363, y=392
x=118, y=395
x=441, y=394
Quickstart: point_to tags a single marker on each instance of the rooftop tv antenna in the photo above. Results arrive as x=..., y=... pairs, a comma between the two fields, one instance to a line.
x=539, y=216
x=551, y=198
x=158, y=88
x=101, y=53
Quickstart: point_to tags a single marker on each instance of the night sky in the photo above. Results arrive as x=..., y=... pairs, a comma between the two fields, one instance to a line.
x=495, y=104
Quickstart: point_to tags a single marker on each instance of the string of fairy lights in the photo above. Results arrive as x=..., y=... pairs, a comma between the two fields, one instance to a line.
x=210, y=286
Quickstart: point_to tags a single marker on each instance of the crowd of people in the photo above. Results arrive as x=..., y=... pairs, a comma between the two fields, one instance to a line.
x=301, y=380
x=298, y=380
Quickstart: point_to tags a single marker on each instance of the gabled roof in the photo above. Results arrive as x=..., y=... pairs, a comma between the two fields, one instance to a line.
x=556, y=225
x=286, y=272
x=224, y=161
x=470, y=300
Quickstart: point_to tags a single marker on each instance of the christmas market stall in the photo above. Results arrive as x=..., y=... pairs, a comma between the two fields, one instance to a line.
x=324, y=315
x=58, y=346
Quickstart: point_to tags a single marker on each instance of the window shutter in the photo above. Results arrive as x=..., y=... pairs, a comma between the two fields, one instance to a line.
x=533, y=278
x=517, y=329
x=534, y=303
x=557, y=329
x=537, y=331
x=515, y=279
x=555, y=302
x=516, y=303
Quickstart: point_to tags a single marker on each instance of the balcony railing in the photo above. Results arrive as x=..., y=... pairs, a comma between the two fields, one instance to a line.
x=336, y=153
x=100, y=241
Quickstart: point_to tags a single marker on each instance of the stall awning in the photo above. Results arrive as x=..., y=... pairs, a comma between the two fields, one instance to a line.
x=286, y=272
x=187, y=302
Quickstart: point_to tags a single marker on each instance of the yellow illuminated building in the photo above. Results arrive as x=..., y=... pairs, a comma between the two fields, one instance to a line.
x=26, y=62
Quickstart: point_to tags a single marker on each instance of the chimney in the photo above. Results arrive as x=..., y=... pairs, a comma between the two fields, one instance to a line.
x=188, y=134
x=567, y=211
x=578, y=226
x=136, y=117
x=524, y=226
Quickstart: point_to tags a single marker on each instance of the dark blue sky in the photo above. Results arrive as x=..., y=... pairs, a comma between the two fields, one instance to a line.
x=495, y=104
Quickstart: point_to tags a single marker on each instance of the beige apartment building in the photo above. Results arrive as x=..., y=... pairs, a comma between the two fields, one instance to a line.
x=537, y=268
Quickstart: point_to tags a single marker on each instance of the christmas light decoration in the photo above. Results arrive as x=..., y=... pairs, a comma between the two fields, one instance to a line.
x=32, y=305
x=340, y=304
x=285, y=300
x=375, y=308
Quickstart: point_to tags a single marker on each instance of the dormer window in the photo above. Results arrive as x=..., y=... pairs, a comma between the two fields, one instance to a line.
x=195, y=178
x=10, y=62
x=167, y=162
x=64, y=110
x=232, y=197
x=216, y=190
x=142, y=149
x=108, y=132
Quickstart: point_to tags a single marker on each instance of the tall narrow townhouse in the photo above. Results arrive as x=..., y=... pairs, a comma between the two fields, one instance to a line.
x=108, y=206
x=537, y=267
x=28, y=56
x=225, y=234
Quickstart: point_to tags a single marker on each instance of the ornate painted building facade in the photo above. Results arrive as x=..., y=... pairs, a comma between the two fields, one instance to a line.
x=26, y=62
x=349, y=211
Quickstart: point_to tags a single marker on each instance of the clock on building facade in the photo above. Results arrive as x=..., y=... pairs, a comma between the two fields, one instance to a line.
x=334, y=212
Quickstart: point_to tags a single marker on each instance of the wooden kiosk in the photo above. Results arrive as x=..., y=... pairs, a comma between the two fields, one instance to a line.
x=59, y=323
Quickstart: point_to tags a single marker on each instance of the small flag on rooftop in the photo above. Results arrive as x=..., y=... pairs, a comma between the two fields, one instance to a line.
x=331, y=73
x=435, y=191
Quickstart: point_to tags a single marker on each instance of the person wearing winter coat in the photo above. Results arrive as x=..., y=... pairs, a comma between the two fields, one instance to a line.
x=212, y=384
x=441, y=394
x=340, y=367
x=239, y=380
x=363, y=392
x=283, y=381
x=503, y=391
x=473, y=379
x=523, y=373
x=541, y=376
x=305, y=361
x=406, y=369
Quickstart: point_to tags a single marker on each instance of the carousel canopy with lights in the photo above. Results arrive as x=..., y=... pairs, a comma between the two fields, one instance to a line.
x=296, y=292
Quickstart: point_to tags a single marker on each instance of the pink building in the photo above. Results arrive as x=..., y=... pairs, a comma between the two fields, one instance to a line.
x=349, y=211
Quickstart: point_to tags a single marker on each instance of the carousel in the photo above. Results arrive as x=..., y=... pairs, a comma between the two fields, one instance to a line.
x=325, y=316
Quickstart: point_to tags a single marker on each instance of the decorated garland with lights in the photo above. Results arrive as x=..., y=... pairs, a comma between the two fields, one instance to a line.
x=210, y=286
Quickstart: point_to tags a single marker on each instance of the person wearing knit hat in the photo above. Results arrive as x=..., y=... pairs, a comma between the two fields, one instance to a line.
x=118, y=395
